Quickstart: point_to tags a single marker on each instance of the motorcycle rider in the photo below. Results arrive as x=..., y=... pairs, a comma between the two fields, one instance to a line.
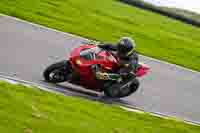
x=126, y=53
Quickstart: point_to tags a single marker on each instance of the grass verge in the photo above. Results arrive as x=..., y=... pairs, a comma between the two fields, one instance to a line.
x=107, y=20
x=28, y=110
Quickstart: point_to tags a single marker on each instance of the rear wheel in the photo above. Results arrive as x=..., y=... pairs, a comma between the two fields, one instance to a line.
x=58, y=72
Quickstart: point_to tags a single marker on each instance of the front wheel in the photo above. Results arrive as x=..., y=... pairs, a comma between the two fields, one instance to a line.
x=122, y=90
x=133, y=87
x=58, y=72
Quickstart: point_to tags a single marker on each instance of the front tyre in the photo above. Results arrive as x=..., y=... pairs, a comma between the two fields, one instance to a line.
x=58, y=72
x=131, y=88
x=134, y=85
x=122, y=90
x=112, y=92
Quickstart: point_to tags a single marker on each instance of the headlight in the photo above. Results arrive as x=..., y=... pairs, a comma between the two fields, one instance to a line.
x=78, y=62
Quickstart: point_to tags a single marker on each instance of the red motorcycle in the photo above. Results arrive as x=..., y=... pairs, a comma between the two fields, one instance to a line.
x=78, y=70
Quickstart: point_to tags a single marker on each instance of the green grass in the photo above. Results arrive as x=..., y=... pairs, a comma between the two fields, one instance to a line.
x=28, y=110
x=107, y=20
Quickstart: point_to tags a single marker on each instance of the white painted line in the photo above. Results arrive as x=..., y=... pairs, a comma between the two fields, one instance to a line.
x=26, y=83
x=9, y=81
x=76, y=36
x=132, y=110
x=158, y=114
x=41, y=26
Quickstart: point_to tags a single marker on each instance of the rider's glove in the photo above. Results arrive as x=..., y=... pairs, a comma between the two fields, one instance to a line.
x=92, y=42
x=126, y=75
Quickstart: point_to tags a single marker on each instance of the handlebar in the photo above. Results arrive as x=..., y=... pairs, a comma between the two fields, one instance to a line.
x=91, y=42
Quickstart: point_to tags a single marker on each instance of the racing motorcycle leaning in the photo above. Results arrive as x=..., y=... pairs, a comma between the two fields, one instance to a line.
x=78, y=69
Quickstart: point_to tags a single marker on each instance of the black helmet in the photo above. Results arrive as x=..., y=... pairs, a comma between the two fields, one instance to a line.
x=125, y=46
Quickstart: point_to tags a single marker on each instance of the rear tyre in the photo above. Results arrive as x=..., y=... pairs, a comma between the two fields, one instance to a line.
x=58, y=72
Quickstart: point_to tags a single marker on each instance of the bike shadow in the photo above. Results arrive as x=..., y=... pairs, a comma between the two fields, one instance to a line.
x=69, y=89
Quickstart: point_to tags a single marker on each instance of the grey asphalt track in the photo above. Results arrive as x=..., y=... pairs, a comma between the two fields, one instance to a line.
x=26, y=50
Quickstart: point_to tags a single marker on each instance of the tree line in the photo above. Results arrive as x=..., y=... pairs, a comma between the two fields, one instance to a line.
x=146, y=6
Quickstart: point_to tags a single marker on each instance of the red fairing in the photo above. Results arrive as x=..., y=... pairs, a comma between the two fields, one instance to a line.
x=76, y=51
x=142, y=70
x=83, y=66
x=107, y=60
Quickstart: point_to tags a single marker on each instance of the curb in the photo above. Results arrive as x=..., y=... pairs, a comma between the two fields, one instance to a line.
x=157, y=114
x=26, y=83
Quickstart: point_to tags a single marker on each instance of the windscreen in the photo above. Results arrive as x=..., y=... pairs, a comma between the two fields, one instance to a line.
x=90, y=53
x=97, y=53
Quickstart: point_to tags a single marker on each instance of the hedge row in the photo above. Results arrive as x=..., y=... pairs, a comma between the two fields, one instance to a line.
x=155, y=9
